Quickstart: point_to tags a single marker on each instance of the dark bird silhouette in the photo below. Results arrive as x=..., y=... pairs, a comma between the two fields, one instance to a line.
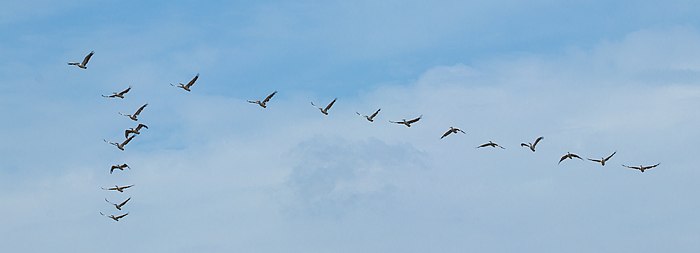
x=569, y=156
x=120, y=205
x=370, y=118
x=83, y=65
x=118, y=94
x=532, y=145
x=188, y=85
x=328, y=107
x=490, y=144
x=603, y=160
x=135, y=116
x=118, y=188
x=407, y=122
x=452, y=130
x=121, y=145
x=115, y=218
x=263, y=103
x=641, y=167
x=134, y=131
x=118, y=167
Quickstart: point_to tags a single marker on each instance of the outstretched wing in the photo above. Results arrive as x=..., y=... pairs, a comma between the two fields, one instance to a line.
x=124, y=203
x=484, y=145
x=127, y=140
x=446, y=134
x=631, y=167
x=140, y=109
x=121, y=216
x=375, y=113
x=608, y=158
x=537, y=141
x=563, y=158
x=87, y=58
x=194, y=79
x=524, y=145
x=141, y=126
x=414, y=120
x=653, y=166
x=328, y=107
x=267, y=99
x=127, y=186
x=576, y=156
x=124, y=91
x=595, y=160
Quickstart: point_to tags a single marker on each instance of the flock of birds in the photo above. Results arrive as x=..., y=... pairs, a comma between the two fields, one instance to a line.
x=130, y=133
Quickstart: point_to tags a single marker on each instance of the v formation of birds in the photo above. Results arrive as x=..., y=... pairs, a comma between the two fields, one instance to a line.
x=131, y=133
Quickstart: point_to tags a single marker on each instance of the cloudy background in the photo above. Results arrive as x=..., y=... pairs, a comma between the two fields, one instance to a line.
x=216, y=174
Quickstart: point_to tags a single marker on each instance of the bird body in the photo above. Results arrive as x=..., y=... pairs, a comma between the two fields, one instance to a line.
x=532, y=145
x=263, y=103
x=569, y=156
x=83, y=64
x=118, y=94
x=452, y=130
x=370, y=118
x=188, y=85
x=118, y=167
x=324, y=110
x=135, y=116
x=642, y=168
x=407, y=123
x=603, y=160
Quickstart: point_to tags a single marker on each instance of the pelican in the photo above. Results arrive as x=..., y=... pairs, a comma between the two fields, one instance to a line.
x=115, y=218
x=134, y=131
x=118, y=94
x=83, y=65
x=490, y=144
x=135, y=116
x=370, y=118
x=118, y=167
x=120, y=145
x=407, y=122
x=569, y=156
x=532, y=145
x=263, y=103
x=188, y=85
x=328, y=107
x=119, y=206
x=642, y=168
x=603, y=160
x=452, y=130
x=118, y=188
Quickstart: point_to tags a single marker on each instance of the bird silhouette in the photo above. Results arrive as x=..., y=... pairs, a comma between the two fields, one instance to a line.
x=188, y=85
x=135, y=116
x=263, y=103
x=452, y=130
x=569, y=156
x=370, y=118
x=118, y=94
x=407, y=123
x=328, y=107
x=120, y=205
x=641, y=167
x=603, y=160
x=83, y=65
x=532, y=145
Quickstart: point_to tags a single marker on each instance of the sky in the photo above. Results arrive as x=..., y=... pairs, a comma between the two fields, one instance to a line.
x=214, y=173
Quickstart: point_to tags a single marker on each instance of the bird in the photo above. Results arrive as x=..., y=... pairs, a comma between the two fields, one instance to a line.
x=490, y=144
x=532, y=145
x=118, y=167
x=328, y=107
x=115, y=218
x=120, y=145
x=370, y=118
x=188, y=85
x=134, y=131
x=119, y=206
x=118, y=188
x=118, y=94
x=407, y=122
x=603, y=160
x=135, y=116
x=452, y=130
x=83, y=65
x=569, y=156
x=642, y=168
x=263, y=103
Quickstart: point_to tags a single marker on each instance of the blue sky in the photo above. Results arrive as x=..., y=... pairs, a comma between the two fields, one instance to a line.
x=216, y=174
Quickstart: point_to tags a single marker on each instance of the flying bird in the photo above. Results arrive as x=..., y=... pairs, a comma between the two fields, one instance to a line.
x=263, y=103
x=120, y=205
x=134, y=131
x=490, y=144
x=370, y=118
x=603, y=160
x=118, y=188
x=569, y=156
x=641, y=167
x=115, y=218
x=328, y=107
x=135, y=116
x=120, y=145
x=118, y=94
x=83, y=65
x=407, y=122
x=452, y=130
x=533, y=144
x=188, y=85
x=118, y=167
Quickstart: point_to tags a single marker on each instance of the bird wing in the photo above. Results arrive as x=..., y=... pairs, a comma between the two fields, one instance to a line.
x=252, y=102
x=140, y=109
x=125, y=91
x=267, y=99
x=126, y=186
x=631, y=167
x=563, y=158
x=108, y=201
x=375, y=113
x=460, y=130
x=414, y=120
x=328, y=107
x=124, y=203
x=484, y=145
x=611, y=155
x=194, y=79
x=127, y=140
x=537, y=141
x=109, y=189
x=87, y=58
x=141, y=126
x=595, y=160
x=576, y=156
x=653, y=166
x=524, y=145
x=397, y=122
x=314, y=105
x=446, y=134
x=121, y=216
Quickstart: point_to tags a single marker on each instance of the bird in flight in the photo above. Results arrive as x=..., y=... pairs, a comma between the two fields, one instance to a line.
x=115, y=218
x=370, y=118
x=120, y=145
x=188, y=85
x=452, y=130
x=120, y=205
x=328, y=107
x=118, y=94
x=490, y=144
x=118, y=167
x=83, y=65
x=642, y=168
x=134, y=116
x=118, y=188
x=407, y=122
x=603, y=160
x=134, y=131
x=569, y=156
x=533, y=144
x=263, y=103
